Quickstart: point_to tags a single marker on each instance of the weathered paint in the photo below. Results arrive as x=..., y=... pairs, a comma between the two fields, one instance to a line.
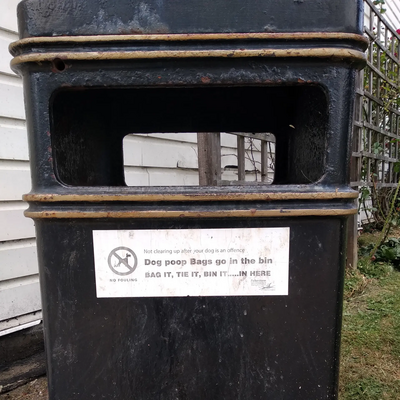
x=187, y=37
x=190, y=197
x=238, y=347
x=92, y=17
x=252, y=213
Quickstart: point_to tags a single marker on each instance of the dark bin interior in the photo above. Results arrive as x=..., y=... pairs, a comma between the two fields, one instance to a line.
x=88, y=126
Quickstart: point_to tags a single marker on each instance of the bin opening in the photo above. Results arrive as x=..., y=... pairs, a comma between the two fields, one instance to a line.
x=199, y=158
x=209, y=136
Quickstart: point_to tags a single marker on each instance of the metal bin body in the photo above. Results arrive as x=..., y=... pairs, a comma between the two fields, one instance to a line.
x=96, y=71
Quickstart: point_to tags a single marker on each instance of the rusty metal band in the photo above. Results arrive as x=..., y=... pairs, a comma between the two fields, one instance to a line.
x=189, y=214
x=328, y=52
x=190, y=37
x=95, y=198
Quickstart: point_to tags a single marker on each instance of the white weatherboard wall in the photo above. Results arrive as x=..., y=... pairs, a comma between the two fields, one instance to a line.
x=392, y=13
x=19, y=283
x=171, y=159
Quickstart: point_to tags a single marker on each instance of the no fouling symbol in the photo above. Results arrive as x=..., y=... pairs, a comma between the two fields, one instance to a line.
x=122, y=261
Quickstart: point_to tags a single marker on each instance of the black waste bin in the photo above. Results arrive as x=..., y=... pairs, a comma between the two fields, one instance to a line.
x=228, y=290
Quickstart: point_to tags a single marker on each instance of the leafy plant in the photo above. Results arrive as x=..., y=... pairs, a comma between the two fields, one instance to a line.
x=380, y=4
x=387, y=252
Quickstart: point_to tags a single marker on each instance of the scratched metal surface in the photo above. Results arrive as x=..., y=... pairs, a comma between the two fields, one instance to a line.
x=198, y=348
x=77, y=114
x=271, y=347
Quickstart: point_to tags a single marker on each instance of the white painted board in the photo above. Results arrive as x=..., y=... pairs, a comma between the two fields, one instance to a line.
x=5, y=39
x=8, y=14
x=11, y=95
x=21, y=322
x=155, y=152
x=17, y=259
x=15, y=179
x=13, y=139
x=19, y=296
x=138, y=176
x=392, y=14
x=14, y=225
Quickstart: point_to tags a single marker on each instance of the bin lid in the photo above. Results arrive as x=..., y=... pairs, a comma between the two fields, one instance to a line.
x=108, y=17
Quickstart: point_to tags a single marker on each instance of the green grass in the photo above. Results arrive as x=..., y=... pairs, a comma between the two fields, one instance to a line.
x=370, y=354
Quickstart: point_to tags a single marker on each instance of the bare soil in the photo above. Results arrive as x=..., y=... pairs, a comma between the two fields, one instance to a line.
x=35, y=390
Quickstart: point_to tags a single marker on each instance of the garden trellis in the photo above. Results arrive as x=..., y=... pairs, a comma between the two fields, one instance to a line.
x=376, y=147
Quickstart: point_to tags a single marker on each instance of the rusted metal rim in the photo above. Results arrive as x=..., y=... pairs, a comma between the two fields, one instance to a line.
x=53, y=214
x=328, y=52
x=190, y=36
x=96, y=198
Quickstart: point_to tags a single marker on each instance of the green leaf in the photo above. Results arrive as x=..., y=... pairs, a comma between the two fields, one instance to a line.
x=388, y=253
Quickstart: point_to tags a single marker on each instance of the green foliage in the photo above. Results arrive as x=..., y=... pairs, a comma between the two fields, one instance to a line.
x=387, y=252
x=377, y=148
x=370, y=350
x=380, y=4
x=396, y=166
x=374, y=269
x=366, y=388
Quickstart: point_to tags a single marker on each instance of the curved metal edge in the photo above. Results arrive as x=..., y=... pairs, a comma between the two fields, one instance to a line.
x=251, y=213
x=95, y=198
x=335, y=53
x=13, y=47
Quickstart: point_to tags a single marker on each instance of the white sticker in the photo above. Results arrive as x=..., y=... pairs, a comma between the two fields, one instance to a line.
x=192, y=262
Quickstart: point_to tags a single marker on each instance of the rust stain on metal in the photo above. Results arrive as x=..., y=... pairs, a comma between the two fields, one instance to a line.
x=189, y=197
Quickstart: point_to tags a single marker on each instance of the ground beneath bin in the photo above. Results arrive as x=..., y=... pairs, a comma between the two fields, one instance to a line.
x=35, y=390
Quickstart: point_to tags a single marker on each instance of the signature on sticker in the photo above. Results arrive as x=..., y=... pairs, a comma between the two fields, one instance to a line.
x=263, y=284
